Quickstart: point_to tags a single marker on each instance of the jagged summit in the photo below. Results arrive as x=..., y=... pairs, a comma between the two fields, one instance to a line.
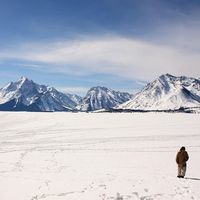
x=167, y=75
x=99, y=88
x=23, y=79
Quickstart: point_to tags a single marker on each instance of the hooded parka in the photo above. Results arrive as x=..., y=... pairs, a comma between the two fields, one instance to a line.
x=181, y=158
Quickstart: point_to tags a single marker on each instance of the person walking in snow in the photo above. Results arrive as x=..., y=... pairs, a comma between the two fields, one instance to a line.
x=181, y=159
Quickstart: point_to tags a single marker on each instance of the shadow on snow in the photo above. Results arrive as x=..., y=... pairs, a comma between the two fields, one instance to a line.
x=196, y=179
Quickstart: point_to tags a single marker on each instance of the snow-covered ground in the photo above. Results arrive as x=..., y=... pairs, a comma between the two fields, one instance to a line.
x=88, y=156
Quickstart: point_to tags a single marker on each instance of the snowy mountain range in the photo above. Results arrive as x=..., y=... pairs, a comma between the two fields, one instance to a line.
x=25, y=95
x=166, y=93
x=102, y=98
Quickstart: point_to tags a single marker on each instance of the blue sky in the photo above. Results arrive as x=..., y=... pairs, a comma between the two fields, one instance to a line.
x=75, y=44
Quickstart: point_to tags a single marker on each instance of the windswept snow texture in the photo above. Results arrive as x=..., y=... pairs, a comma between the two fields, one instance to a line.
x=88, y=156
x=167, y=93
x=102, y=98
x=25, y=95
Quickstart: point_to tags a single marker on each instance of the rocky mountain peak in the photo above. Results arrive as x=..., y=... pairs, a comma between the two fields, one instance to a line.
x=167, y=93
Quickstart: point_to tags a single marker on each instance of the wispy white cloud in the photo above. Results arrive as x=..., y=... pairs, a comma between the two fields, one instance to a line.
x=142, y=83
x=126, y=57
x=33, y=66
x=73, y=90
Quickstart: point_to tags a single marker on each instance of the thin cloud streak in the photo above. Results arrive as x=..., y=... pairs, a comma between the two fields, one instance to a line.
x=73, y=90
x=125, y=57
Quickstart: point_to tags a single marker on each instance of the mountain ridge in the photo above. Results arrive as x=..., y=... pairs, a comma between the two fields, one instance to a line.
x=166, y=93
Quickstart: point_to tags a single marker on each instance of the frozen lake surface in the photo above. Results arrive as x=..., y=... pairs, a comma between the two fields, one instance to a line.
x=88, y=156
